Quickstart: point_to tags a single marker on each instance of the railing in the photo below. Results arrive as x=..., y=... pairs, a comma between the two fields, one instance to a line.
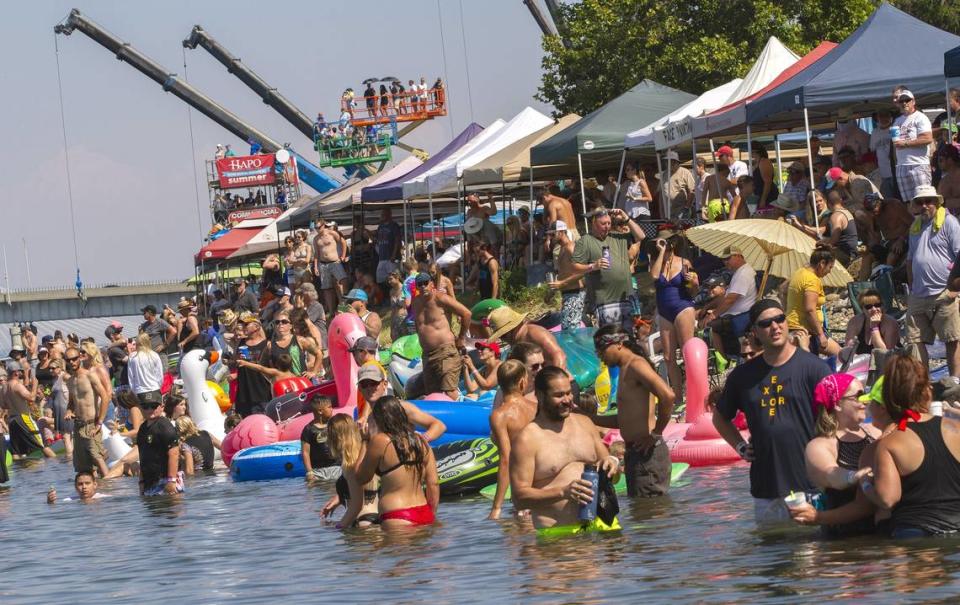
x=71, y=288
x=408, y=106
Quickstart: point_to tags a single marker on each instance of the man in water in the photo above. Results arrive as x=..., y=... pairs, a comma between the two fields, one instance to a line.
x=158, y=443
x=87, y=403
x=329, y=253
x=17, y=398
x=549, y=455
x=372, y=385
x=640, y=420
x=775, y=392
x=507, y=420
x=442, y=363
x=86, y=485
x=514, y=328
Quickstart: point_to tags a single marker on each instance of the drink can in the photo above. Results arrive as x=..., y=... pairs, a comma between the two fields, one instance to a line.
x=895, y=133
x=551, y=277
x=936, y=408
x=605, y=254
x=244, y=352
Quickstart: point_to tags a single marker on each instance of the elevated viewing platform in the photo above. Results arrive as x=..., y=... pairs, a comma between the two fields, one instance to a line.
x=102, y=300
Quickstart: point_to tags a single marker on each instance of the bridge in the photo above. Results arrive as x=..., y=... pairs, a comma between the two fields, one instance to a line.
x=108, y=300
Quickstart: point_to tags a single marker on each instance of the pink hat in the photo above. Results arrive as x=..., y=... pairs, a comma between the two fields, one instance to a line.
x=829, y=391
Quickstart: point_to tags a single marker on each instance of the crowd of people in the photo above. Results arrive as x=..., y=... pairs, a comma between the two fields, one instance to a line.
x=390, y=98
x=877, y=200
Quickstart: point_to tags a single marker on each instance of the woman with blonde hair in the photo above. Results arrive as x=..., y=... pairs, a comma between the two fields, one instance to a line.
x=200, y=444
x=345, y=442
x=145, y=371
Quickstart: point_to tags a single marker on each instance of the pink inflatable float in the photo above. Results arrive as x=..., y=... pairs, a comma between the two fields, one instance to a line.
x=695, y=442
x=259, y=429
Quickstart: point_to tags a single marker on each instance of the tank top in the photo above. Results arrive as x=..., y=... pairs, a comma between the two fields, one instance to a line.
x=848, y=457
x=485, y=280
x=848, y=237
x=297, y=355
x=253, y=388
x=930, y=495
x=202, y=444
x=193, y=344
x=758, y=183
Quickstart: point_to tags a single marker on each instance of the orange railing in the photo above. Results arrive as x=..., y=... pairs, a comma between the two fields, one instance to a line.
x=408, y=106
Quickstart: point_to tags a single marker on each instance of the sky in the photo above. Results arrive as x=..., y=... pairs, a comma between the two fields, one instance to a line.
x=129, y=145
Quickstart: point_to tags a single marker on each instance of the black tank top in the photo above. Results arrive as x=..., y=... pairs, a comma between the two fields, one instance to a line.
x=253, y=388
x=203, y=444
x=930, y=495
x=485, y=279
x=848, y=237
x=848, y=457
x=758, y=186
x=184, y=332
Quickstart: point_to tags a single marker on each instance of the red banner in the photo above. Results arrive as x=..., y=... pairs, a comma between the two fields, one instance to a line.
x=254, y=213
x=246, y=171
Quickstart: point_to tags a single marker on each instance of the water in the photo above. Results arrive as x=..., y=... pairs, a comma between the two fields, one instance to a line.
x=266, y=543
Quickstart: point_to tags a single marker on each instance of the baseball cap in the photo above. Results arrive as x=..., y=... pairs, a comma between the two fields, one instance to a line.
x=149, y=309
x=797, y=166
x=673, y=157
x=423, y=279
x=46, y=340
x=832, y=175
x=557, y=226
x=281, y=291
x=364, y=343
x=239, y=281
x=730, y=251
x=115, y=327
x=483, y=344
x=357, y=294
x=905, y=95
x=725, y=150
x=371, y=371
x=248, y=318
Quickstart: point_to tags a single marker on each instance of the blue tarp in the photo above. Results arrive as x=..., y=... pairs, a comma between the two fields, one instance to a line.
x=393, y=190
x=455, y=220
x=890, y=48
x=951, y=63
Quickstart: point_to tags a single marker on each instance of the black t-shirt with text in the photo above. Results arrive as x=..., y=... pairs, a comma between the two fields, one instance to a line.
x=320, y=455
x=154, y=440
x=777, y=402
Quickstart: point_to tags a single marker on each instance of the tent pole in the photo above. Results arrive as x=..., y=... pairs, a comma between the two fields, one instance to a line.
x=776, y=144
x=583, y=193
x=463, y=239
x=663, y=215
x=696, y=178
x=946, y=89
x=406, y=236
x=533, y=208
x=433, y=225
x=813, y=186
x=503, y=208
x=750, y=151
x=623, y=161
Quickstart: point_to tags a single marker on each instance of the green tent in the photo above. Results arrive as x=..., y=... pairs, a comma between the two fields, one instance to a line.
x=248, y=271
x=598, y=137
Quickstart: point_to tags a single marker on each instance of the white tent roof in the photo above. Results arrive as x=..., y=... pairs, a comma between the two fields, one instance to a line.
x=524, y=123
x=417, y=187
x=678, y=126
x=774, y=58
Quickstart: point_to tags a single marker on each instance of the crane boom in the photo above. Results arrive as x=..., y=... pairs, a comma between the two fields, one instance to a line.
x=171, y=83
x=270, y=96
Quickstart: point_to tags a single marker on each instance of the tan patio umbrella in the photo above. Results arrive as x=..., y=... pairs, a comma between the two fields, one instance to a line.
x=771, y=246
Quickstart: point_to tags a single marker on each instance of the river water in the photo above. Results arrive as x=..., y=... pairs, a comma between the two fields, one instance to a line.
x=266, y=543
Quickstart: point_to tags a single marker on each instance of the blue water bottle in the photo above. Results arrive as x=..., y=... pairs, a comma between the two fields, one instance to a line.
x=588, y=512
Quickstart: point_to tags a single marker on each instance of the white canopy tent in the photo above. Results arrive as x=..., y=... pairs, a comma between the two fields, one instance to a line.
x=774, y=58
x=417, y=187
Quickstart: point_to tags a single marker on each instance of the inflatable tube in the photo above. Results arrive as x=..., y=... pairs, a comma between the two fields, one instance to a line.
x=697, y=443
x=290, y=405
x=201, y=399
x=582, y=360
x=677, y=470
x=464, y=467
x=345, y=329
x=252, y=431
x=695, y=369
x=407, y=347
x=294, y=384
x=482, y=309
x=468, y=418
x=562, y=531
x=266, y=462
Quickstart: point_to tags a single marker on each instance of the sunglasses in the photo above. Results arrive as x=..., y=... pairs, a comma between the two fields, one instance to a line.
x=368, y=384
x=766, y=323
x=283, y=321
x=873, y=306
x=72, y=359
x=536, y=367
x=855, y=397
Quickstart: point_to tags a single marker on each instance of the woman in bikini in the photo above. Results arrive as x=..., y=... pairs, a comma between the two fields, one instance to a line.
x=673, y=278
x=409, y=487
x=360, y=500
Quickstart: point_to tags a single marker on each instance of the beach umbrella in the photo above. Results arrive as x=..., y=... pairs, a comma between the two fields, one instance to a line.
x=390, y=79
x=370, y=81
x=768, y=245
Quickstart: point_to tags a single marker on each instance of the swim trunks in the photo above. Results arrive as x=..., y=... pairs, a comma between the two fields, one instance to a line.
x=330, y=273
x=597, y=525
x=87, y=447
x=326, y=473
x=24, y=435
x=648, y=474
x=416, y=515
x=441, y=369
x=157, y=488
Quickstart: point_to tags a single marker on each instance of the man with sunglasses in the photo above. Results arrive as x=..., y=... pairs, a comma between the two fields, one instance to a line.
x=372, y=385
x=158, y=443
x=912, y=134
x=775, y=392
x=933, y=249
x=87, y=400
x=16, y=398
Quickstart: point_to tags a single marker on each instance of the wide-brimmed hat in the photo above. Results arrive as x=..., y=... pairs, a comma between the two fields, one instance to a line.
x=503, y=320
x=184, y=304
x=787, y=203
x=473, y=225
x=927, y=191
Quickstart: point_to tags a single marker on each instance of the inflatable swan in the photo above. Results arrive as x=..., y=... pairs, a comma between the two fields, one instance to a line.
x=201, y=399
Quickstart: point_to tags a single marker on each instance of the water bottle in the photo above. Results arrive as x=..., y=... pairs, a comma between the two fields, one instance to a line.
x=894, y=133
x=244, y=352
x=605, y=255
x=588, y=512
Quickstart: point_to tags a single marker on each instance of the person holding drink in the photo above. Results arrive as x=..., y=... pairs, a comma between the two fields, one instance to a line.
x=566, y=280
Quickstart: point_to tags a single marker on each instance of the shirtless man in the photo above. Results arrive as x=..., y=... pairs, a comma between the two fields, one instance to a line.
x=329, y=254
x=506, y=421
x=87, y=405
x=641, y=422
x=514, y=328
x=888, y=227
x=549, y=454
x=949, y=187
x=558, y=208
x=17, y=397
x=569, y=282
x=442, y=363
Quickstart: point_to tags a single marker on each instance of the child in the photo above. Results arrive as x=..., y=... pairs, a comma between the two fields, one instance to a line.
x=46, y=424
x=360, y=501
x=317, y=459
x=748, y=199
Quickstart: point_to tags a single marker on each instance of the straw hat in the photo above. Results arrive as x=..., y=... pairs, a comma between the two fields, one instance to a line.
x=503, y=320
x=227, y=317
x=473, y=225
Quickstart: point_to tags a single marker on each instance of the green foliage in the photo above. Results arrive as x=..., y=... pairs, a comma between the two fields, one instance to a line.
x=692, y=46
x=516, y=293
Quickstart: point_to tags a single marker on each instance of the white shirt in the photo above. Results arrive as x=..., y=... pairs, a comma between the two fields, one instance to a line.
x=633, y=206
x=880, y=145
x=145, y=372
x=744, y=283
x=911, y=127
x=737, y=170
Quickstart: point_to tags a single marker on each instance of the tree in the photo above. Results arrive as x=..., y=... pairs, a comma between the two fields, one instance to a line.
x=693, y=46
